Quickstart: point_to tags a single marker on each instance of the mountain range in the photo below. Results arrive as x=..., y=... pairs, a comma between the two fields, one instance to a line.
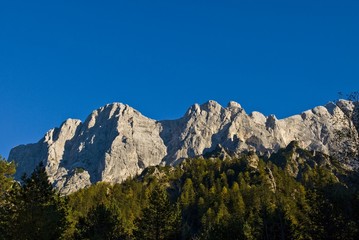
x=117, y=141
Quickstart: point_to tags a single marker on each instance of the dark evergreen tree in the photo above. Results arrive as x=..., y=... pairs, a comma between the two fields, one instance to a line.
x=99, y=224
x=160, y=220
x=38, y=212
x=7, y=185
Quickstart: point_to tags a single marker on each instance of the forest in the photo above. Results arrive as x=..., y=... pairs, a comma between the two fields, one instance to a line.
x=293, y=194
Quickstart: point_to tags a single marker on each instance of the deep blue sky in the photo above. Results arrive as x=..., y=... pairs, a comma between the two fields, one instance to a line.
x=63, y=59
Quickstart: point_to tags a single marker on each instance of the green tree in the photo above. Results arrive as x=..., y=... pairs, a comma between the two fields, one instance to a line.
x=160, y=219
x=99, y=224
x=38, y=213
x=7, y=169
x=6, y=185
x=188, y=195
x=188, y=207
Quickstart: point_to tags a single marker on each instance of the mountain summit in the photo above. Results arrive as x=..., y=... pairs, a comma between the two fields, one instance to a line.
x=117, y=141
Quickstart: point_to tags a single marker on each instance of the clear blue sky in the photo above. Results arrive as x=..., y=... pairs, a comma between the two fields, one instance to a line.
x=63, y=59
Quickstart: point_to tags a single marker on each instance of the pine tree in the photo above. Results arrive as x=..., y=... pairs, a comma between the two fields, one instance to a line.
x=7, y=169
x=160, y=219
x=7, y=184
x=188, y=207
x=188, y=195
x=99, y=224
x=38, y=211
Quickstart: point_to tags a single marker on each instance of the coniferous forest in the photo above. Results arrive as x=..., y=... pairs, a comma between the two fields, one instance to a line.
x=294, y=194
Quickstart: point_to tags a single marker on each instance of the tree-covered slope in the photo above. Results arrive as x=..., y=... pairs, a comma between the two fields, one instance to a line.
x=294, y=194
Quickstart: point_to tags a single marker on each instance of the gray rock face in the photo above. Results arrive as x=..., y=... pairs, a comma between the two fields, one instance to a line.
x=116, y=141
x=113, y=143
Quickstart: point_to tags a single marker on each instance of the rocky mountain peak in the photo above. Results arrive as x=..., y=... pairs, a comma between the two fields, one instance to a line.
x=271, y=121
x=195, y=109
x=117, y=141
x=234, y=105
x=211, y=107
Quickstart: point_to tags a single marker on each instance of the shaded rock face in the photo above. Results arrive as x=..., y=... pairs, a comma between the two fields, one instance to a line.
x=116, y=141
